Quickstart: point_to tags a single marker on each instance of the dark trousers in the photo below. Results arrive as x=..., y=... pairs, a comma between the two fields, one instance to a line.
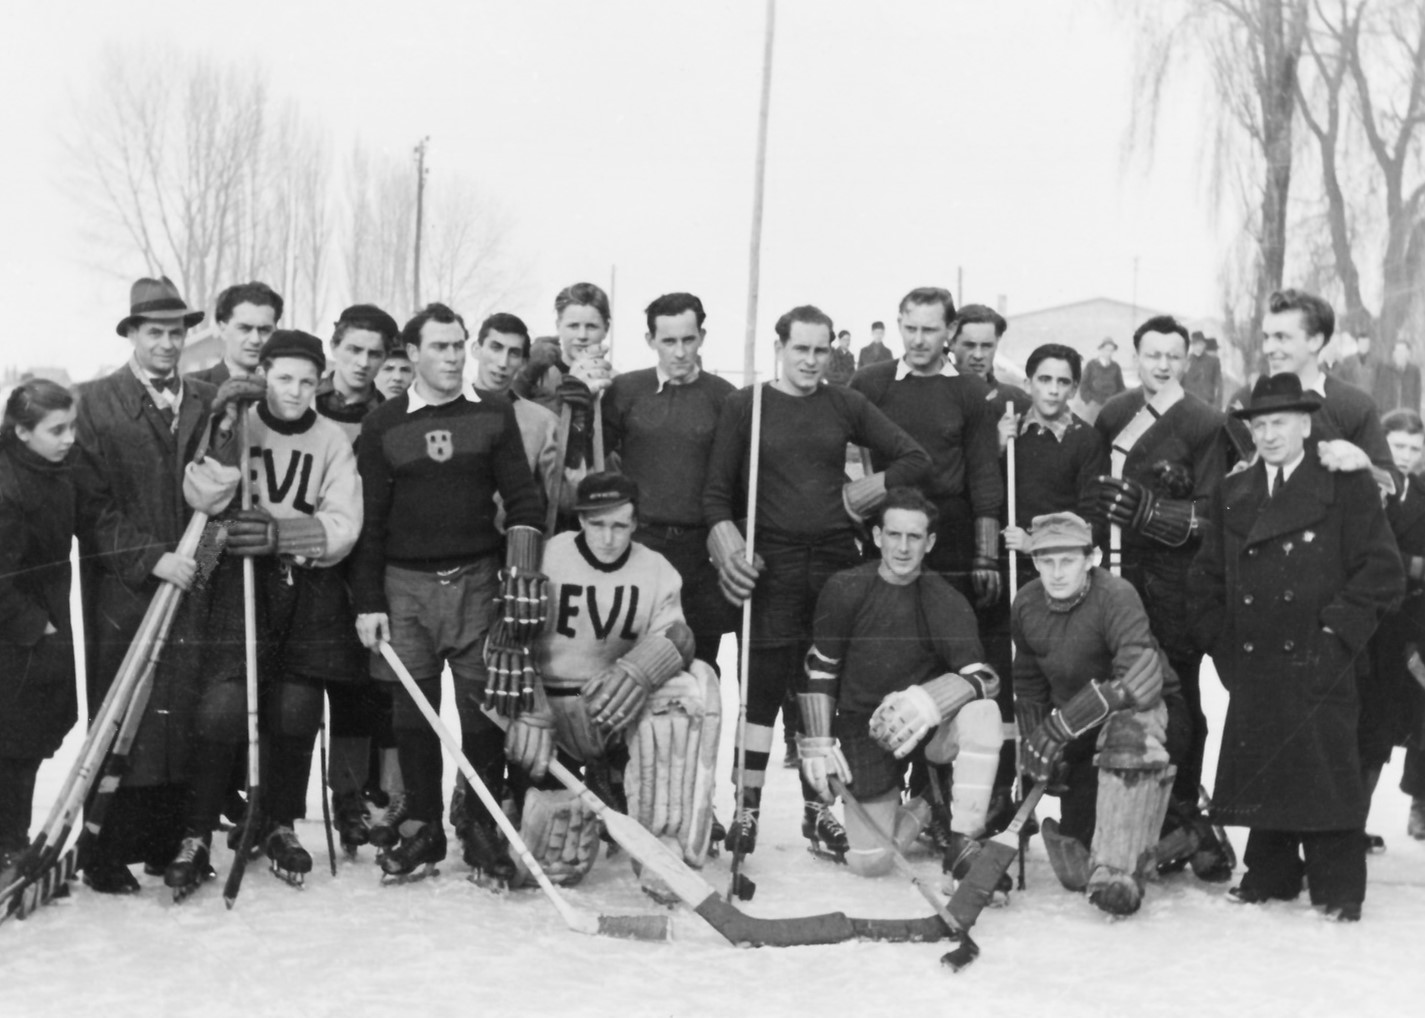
x=17, y=796
x=1333, y=863
x=1412, y=778
x=708, y=614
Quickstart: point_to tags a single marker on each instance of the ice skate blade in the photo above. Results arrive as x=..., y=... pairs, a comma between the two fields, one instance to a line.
x=820, y=851
x=288, y=877
x=424, y=871
x=486, y=882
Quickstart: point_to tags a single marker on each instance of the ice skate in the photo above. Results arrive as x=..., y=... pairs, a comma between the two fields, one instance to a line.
x=484, y=852
x=742, y=832
x=959, y=858
x=387, y=812
x=349, y=816
x=825, y=835
x=190, y=868
x=286, y=857
x=415, y=857
x=717, y=834
x=1114, y=891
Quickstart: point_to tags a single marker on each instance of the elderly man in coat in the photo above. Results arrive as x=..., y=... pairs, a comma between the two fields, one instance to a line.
x=1296, y=568
x=136, y=430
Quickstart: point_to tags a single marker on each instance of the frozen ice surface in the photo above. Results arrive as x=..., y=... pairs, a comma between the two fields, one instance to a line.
x=348, y=946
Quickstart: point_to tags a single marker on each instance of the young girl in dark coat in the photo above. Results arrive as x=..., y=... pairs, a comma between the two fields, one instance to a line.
x=38, y=705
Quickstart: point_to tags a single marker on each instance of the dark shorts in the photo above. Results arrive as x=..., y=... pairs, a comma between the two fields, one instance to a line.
x=439, y=619
x=874, y=771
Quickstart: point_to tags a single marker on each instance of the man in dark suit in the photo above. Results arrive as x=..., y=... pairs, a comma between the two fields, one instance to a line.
x=136, y=430
x=247, y=314
x=1203, y=377
x=1296, y=568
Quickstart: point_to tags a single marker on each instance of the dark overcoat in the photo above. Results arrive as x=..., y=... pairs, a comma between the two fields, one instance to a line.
x=38, y=705
x=1272, y=577
x=1392, y=702
x=131, y=461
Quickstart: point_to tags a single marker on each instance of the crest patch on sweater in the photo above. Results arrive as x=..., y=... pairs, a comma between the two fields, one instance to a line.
x=440, y=445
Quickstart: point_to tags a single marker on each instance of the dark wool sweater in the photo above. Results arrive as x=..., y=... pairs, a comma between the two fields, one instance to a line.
x=347, y=414
x=954, y=420
x=1054, y=475
x=884, y=637
x=803, y=460
x=664, y=439
x=429, y=479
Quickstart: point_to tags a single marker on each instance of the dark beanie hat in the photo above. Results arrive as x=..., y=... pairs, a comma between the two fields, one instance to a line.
x=294, y=343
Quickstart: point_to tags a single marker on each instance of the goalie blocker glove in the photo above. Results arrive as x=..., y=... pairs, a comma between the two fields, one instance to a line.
x=615, y=697
x=523, y=588
x=907, y=715
x=1128, y=504
x=1141, y=686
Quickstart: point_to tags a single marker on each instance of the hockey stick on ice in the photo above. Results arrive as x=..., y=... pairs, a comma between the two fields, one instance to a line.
x=249, y=619
x=740, y=886
x=968, y=950
x=639, y=927
x=326, y=797
x=977, y=888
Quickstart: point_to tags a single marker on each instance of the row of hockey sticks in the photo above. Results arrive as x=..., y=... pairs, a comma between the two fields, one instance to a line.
x=103, y=756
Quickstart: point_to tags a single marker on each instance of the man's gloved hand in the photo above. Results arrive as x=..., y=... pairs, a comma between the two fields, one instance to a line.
x=574, y=393
x=1120, y=501
x=615, y=697
x=1044, y=748
x=529, y=741
x=736, y=577
x=984, y=570
x=251, y=532
x=232, y=395
x=821, y=757
x=903, y=718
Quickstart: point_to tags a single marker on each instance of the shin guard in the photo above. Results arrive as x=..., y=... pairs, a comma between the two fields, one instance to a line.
x=1130, y=811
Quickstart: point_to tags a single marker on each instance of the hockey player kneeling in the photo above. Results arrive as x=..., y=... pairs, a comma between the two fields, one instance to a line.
x=1100, y=714
x=613, y=681
x=895, y=675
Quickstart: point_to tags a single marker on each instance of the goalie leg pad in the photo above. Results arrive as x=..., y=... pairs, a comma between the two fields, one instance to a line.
x=971, y=740
x=1130, y=811
x=672, y=763
x=562, y=834
x=864, y=856
x=1068, y=856
x=1134, y=740
x=574, y=730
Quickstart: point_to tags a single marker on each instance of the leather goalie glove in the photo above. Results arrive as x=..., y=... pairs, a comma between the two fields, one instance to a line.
x=1130, y=505
x=615, y=696
x=523, y=588
x=906, y=716
x=1140, y=687
x=820, y=752
x=511, y=677
x=736, y=577
x=529, y=741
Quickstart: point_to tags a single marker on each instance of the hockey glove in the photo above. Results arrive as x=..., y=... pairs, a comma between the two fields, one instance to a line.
x=614, y=697
x=862, y=497
x=252, y=532
x=524, y=589
x=984, y=575
x=529, y=741
x=1128, y=504
x=821, y=758
x=574, y=394
x=232, y=396
x=736, y=577
x=907, y=716
x=510, y=677
x=302, y=537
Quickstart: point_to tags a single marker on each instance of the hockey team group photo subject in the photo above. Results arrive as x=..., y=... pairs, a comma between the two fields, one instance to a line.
x=448, y=650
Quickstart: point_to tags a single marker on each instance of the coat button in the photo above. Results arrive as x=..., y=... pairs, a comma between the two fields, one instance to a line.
x=1247, y=646
x=1288, y=596
x=1247, y=599
x=1288, y=646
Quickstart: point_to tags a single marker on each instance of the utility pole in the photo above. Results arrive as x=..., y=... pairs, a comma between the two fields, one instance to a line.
x=1132, y=325
x=420, y=152
x=959, y=286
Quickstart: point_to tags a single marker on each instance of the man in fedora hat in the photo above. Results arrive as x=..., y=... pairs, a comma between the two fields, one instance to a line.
x=136, y=430
x=1203, y=376
x=1296, y=566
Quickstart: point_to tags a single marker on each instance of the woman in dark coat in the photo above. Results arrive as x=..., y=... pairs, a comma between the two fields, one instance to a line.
x=1287, y=590
x=37, y=516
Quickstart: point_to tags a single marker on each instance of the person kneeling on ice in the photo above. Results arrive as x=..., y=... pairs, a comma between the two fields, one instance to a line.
x=1100, y=714
x=896, y=674
x=305, y=519
x=613, y=675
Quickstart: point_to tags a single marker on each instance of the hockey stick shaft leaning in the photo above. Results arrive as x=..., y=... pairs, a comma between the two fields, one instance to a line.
x=652, y=927
x=326, y=777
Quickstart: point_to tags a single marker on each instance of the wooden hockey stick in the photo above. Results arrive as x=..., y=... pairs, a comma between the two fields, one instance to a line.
x=977, y=889
x=249, y=619
x=968, y=950
x=741, y=886
x=326, y=797
x=638, y=927
x=551, y=515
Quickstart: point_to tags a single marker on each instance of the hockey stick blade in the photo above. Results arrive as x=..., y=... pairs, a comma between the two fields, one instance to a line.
x=976, y=890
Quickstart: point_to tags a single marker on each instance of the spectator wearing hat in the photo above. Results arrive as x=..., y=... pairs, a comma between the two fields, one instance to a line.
x=1203, y=375
x=135, y=431
x=426, y=574
x=363, y=336
x=1397, y=384
x=1100, y=713
x=1295, y=570
x=1103, y=379
x=246, y=315
x=305, y=519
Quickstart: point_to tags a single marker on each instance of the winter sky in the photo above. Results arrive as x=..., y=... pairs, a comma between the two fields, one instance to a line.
x=907, y=139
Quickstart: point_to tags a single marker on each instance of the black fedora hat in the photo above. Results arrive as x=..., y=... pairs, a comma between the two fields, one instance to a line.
x=158, y=299
x=1278, y=394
